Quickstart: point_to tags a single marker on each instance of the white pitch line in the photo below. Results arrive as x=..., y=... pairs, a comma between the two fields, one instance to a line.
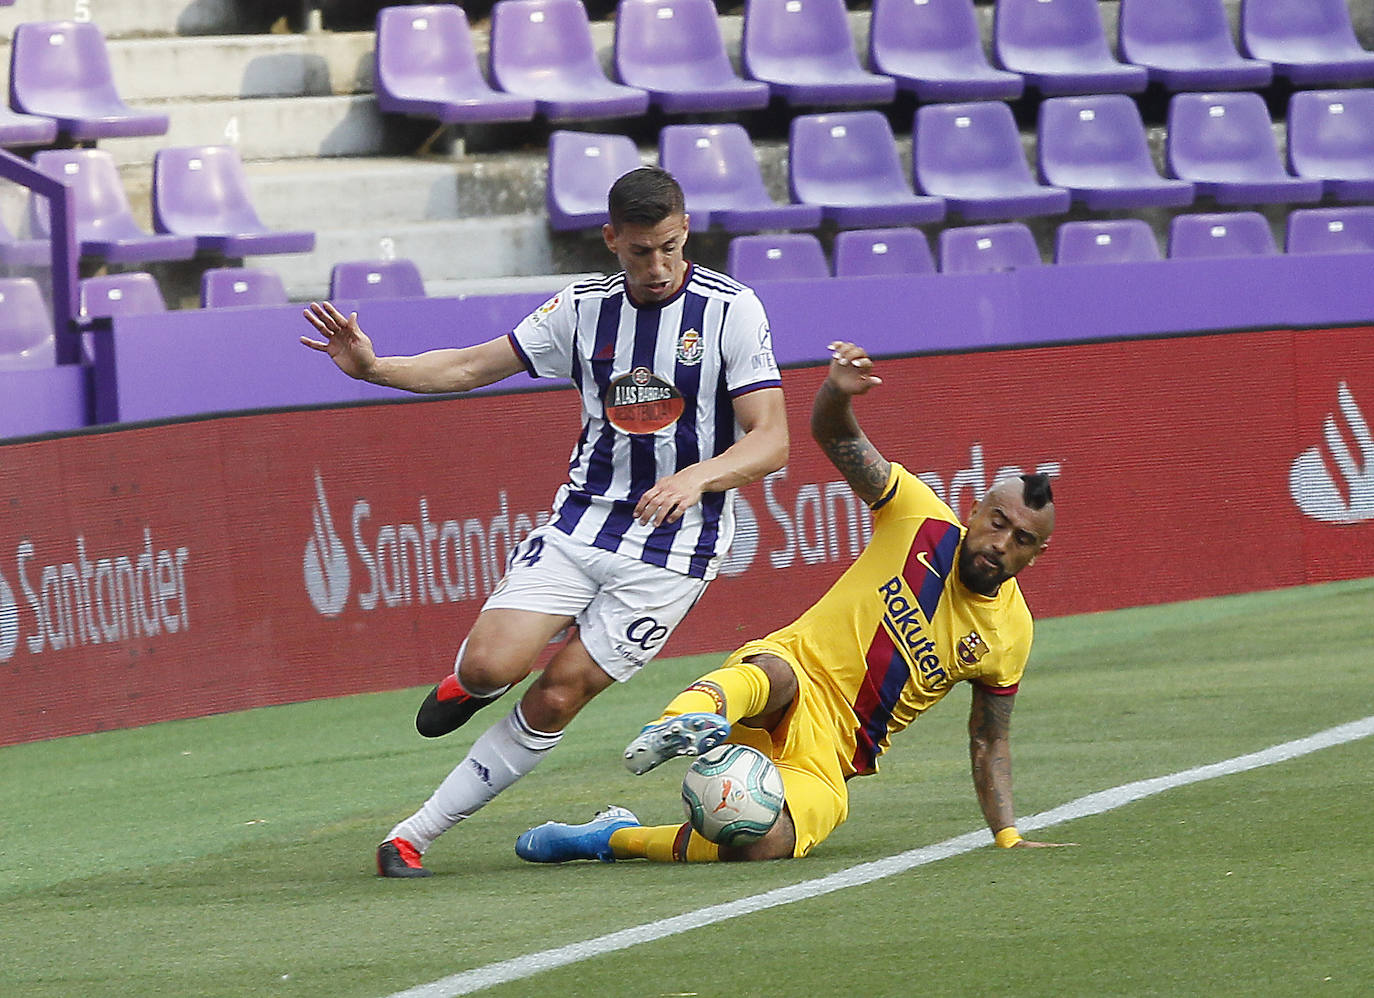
x=530, y=964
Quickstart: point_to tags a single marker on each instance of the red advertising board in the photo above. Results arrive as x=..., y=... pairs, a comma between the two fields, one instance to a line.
x=191, y=568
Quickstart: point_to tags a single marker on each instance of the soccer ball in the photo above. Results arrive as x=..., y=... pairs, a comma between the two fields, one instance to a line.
x=732, y=795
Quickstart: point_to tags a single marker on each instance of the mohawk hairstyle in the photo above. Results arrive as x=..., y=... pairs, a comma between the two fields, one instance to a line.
x=1036, y=491
x=645, y=196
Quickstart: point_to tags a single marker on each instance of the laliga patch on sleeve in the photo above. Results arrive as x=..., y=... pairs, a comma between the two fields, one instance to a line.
x=642, y=402
x=543, y=311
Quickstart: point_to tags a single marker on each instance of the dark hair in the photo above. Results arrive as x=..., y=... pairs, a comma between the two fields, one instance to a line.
x=645, y=196
x=1037, y=492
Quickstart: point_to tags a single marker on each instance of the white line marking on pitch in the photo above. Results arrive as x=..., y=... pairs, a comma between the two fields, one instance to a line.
x=1096, y=803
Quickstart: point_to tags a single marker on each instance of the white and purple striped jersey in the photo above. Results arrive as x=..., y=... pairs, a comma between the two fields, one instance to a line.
x=657, y=385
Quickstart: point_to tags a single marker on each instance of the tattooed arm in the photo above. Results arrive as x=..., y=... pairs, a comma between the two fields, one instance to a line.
x=837, y=431
x=989, y=746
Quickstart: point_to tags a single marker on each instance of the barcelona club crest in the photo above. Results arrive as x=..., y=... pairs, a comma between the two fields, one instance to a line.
x=642, y=402
x=971, y=648
x=689, y=347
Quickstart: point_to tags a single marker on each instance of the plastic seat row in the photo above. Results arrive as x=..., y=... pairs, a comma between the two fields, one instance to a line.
x=26, y=332
x=230, y=287
x=61, y=85
x=670, y=53
x=201, y=204
x=845, y=167
x=1008, y=245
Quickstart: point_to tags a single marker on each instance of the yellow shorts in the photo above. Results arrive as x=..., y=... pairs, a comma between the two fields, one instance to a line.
x=803, y=749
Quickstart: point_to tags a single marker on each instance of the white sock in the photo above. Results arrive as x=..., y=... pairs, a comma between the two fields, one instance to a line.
x=507, y=750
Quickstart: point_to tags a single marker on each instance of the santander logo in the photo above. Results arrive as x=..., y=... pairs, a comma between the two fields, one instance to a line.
x=327, y=574
x=360, y=559
x=1334, y=483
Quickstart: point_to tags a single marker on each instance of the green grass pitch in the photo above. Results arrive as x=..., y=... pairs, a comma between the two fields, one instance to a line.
x=232, y=855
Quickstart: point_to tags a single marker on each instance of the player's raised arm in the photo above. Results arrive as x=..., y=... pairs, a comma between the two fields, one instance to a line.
x=435, y=371
x=989, y=734
x=835, y=428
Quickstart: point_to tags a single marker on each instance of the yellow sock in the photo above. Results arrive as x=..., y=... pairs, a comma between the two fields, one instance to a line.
x=736, y=691
x=663, y=844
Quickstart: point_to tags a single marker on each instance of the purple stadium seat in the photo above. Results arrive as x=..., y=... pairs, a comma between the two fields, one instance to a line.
x=1224, y=143
x=375, y=279
x=1096, y=148
x=61, y=70
x=1331, y=139
x=1116, y=240
x=582, y=168
x=935, y=51
x=227, y=287
x=23, y=252
x=120, y=294
x=847, y=163
x=26, y=337
x=1331, y=230
x=20, y=130
x=543, y=49
x=105, y=225
x=673, y=50
x=1186, y=45
x=786, y=256
x=425, y=65
x=720, y=177
x=971, y=155
x=1060, y=47
x=870, y=252
x=1309, y=42
x=202, y=191
x=804, y=51
x=980, y=249
x=1237, y=233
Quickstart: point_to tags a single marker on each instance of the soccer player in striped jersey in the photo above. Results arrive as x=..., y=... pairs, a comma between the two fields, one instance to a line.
x=927, y=604
x=681, y=404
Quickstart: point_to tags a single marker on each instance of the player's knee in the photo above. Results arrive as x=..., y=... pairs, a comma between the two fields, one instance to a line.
x=551, y=706
x=482, y=667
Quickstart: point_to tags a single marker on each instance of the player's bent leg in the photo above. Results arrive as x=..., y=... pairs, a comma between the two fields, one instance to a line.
x=567, y=684
x=500, y=651
x=755, y=689
x=683, y=844
x=671, y=737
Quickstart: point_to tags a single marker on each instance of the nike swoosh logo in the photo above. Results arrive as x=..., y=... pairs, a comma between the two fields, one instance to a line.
x=924, y=559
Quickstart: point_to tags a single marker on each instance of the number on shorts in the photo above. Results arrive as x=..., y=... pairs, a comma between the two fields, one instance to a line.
x=528, y=553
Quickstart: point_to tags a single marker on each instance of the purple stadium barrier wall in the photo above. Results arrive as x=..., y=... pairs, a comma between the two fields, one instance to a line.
x=185, y=363
x=174, y=570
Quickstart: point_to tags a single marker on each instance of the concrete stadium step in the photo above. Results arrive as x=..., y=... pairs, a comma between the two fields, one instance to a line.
x=303, y=65
x=277, y=128
x=375, y=192
x=466, y=249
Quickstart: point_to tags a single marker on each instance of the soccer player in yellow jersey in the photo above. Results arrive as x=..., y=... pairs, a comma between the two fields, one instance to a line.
x=926, y=605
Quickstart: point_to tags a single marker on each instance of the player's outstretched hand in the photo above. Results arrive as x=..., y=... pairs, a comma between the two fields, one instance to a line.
x=851, y=368
x=344, y=340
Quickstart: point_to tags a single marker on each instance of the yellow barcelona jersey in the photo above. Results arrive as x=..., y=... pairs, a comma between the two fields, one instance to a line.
x=898, y=629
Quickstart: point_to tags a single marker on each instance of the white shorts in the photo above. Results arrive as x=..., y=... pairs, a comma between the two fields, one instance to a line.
x=624, y=608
